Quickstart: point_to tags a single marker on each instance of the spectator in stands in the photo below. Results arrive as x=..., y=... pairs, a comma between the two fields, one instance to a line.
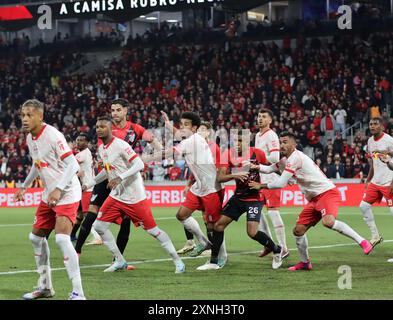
x=314, y=138
x=340, y=116
x=10, y=181
x=339, y=170
x=327, y=126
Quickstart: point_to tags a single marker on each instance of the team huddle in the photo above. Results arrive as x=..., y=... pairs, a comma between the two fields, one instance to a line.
x=74, y=198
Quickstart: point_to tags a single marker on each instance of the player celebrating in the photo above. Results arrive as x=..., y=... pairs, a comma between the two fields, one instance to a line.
x=130, y=133
x=128, y=197
x=56, y=165
x=86, y=176
x=244, y=200
x=323, y=196
x=379, y=181
x=267, y=141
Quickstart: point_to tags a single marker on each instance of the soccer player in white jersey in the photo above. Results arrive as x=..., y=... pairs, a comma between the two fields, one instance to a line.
x=86, y=176
x=122, y=168
x=385, y=158
x=379, y=181
x=322, y=195
x=56, y=165
x=206, y=194
x=267, y=141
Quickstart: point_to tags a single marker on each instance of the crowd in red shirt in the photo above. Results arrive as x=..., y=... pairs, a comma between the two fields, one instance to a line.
x=227, y=86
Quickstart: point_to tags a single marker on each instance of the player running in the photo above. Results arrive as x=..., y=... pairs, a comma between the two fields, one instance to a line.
x=56, y=165
x=267, y=141
x=131, y=133
x=244, y=199
x=379, y=181
x=127, y=197
x=86, y=176
x=322, y=195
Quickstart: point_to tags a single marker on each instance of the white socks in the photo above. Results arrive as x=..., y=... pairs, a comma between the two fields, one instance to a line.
x=222, y=254
x=165, y=242
x=95, y=234
x=263, y=226
x=193, y=226
x=41, y=255
x=279, y=227
x=302, y=248
x=71, y=262
x=368, y=217
x=102, y=229
x=346, y=230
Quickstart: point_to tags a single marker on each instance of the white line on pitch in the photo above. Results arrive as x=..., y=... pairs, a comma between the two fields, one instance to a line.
x=184, y=258
x=197, y=216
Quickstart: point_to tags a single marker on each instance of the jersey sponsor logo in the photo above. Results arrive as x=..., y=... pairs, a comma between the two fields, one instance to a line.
x=108, y=167
x=40, y=164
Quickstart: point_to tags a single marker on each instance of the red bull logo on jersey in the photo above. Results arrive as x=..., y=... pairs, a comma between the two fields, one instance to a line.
x=40, y=164
x=108, y=167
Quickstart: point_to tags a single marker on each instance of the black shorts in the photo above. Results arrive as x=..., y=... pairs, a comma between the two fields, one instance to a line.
x=235, y=207
x=100, y=193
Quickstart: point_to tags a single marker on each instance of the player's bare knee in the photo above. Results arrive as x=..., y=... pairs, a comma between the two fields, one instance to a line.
x=252, y=230
x=182, y=214
x=251, y=233
x=328, y=221
x=298, y=232
x=93, y=209
x=219, y=226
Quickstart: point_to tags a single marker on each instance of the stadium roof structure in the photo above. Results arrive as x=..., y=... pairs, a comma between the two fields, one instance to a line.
x=20, y=16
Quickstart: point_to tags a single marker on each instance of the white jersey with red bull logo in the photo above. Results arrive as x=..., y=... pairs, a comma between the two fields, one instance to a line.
x=47, y=151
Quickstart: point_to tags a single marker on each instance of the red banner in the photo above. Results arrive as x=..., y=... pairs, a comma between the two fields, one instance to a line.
x=170, y=196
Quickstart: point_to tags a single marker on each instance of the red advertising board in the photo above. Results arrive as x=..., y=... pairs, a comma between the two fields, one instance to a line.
x=170, y=196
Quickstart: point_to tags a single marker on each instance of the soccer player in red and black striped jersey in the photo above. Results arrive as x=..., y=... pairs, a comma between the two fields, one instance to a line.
x=244, y=200
x=131, y=133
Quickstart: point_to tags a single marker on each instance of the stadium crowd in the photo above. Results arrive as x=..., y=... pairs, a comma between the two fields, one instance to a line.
x=317, y=89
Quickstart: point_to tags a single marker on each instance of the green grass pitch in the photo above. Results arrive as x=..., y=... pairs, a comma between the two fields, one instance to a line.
x=244, y=277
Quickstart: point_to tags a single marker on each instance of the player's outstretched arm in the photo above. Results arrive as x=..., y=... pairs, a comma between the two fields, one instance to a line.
x=102, y=176
x=267, y=169
x=282, y=182
x=224, y=176
x=273, y=157
x=33, y=174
